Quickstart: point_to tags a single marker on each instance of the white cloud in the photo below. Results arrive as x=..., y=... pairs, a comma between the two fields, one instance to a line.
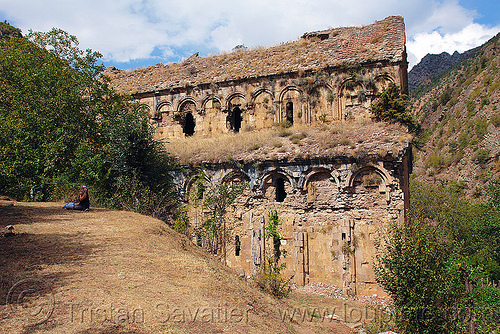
x=133, y=29
x=435, y=42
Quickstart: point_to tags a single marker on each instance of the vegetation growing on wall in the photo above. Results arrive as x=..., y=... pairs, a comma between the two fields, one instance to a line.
x=217, y=196
x=269, y=276
x=391, y=107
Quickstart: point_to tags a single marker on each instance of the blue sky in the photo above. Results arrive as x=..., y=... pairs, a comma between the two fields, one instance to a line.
x=137, y=33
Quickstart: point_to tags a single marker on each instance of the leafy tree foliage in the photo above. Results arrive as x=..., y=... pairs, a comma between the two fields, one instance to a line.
x=391, y=107
x=436, y=264
x=269, y=275
x=217, y=195
x=62, y=125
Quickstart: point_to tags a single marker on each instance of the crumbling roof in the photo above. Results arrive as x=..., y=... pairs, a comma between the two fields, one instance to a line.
x=381, y=41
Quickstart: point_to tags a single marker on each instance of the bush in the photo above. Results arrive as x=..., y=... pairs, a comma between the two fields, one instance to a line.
x=269, y=274
x=482, y=156
x=60, y=127
x=391, y=107
x=435, y=262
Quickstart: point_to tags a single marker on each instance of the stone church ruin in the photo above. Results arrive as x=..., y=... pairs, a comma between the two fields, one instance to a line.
x=336, y=187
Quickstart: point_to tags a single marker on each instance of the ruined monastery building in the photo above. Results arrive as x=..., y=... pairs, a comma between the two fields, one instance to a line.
x=335, y=187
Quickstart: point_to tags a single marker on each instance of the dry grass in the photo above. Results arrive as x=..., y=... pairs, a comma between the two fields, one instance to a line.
x=299, y=142
x=121, y=272
x=221, y=147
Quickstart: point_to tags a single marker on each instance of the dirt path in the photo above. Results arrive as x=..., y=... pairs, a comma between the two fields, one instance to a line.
x=108, y=271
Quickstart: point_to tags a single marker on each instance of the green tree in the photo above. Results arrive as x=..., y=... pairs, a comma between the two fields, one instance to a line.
x=434, y=265
x=62, y=125
x=218, y=196
x=269, y=275
x=390, y=106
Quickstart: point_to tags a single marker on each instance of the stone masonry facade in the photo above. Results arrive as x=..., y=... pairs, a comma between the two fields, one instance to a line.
x=334, y=207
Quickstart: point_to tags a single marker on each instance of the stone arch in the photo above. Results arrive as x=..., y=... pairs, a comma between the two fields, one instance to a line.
x=353, y=101
x=185, y=102
x=274, y=172
x=276, y=185
x=185, y=116
x=205, y=103
x=261, y=91
x=238, y=97
x=384, y=175
x=164, y=106
x=235, y=103
x=290, y=96
x=188, y=185
x=264, y=113
x=212, y=119
x=144, y=107
x=235, y=174
x=320, y=170
x=320, y=103
x=381, y=81
x=163, y=109
x=321, y=187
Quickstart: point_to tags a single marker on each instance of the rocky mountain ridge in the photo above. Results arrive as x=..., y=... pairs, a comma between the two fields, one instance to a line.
x=460, y=116
x=434, y=64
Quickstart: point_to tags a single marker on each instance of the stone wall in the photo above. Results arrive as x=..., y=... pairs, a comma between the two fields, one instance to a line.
x=333, y=211
x=336, y=202
x=300, y=98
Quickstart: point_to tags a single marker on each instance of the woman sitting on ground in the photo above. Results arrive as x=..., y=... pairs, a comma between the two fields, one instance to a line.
x=83, y=198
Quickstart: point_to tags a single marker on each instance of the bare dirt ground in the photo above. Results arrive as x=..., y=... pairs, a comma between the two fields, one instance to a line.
x=106, y=271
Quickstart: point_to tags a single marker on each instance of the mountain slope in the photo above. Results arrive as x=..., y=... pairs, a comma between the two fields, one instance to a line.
x=460, y=116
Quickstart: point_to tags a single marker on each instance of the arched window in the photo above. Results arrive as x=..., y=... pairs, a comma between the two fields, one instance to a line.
x=289, y=112
x=234, y=119
x=280, y=189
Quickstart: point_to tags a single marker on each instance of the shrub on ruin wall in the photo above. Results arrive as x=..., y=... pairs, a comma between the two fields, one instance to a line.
x=391, y=105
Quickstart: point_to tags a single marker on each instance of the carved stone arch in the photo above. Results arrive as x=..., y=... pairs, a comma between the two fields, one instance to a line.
x=235, y=111
x=188, y=184
x=235, y=174
x=379, y=170
x=164, y=105
x=232, y=97
x=185, y=115
x=144, y=107
x=210, y=98
x=187, y=100
x=261, y=91
x=286, y=90
x=320, y=170
x=382, y=80
x=320, y=106
x=274, y=184
x=163, y=108
x=263, y=111
x=290, y=108
x=352, y=101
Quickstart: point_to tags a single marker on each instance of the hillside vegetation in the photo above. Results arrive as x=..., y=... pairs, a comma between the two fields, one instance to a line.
x=460, y=116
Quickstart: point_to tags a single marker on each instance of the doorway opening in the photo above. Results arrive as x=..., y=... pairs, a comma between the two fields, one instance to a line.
x=189, y=125
x=280, y=189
